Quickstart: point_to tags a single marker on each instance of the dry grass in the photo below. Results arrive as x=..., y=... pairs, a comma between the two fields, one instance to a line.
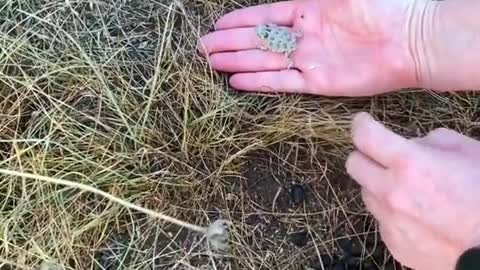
x=112, y=94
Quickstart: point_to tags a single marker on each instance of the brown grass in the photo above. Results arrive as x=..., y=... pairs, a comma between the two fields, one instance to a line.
x=112, y=94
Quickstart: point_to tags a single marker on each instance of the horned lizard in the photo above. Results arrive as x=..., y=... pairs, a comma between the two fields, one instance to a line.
x=278, y=39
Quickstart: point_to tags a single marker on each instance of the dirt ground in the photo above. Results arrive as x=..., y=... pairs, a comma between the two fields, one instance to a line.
x=112, y=94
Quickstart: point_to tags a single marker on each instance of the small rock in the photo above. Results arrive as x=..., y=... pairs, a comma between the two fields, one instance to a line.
x=351, y=247
x=297, y=194
x=299, y=239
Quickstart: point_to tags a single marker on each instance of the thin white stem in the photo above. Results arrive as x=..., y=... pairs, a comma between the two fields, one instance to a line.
x=97, y=191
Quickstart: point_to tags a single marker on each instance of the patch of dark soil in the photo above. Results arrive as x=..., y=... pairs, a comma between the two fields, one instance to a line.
x=272, y=186
x=358, y=248
x=298, y=214
x=264, y=188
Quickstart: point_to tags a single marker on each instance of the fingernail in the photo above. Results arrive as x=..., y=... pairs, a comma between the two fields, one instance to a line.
x=363, y=115
x=359, y=120
x=356, y=117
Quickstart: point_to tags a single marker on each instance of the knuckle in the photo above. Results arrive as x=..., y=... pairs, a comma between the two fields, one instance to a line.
x=408, y=168
x=397, y=199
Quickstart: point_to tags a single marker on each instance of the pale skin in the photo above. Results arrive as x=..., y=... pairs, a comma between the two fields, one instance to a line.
x=422, y=191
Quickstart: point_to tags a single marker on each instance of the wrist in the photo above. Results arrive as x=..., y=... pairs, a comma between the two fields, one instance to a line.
x=443, y=44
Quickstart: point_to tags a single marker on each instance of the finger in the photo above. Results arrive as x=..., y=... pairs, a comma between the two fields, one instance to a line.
x=376, y=207
x=281, y=13
x=367, y=173
x=229, y=40
x=248, y=61
x=380, y=144
x=290, y=81
x=448, y=139
x=394, y=242
x=387, y=222
x=437, y=139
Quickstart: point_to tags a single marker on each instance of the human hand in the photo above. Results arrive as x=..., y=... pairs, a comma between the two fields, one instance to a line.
x=424, y=192
x=348, y=48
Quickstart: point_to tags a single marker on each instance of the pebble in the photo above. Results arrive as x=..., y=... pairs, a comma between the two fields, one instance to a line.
x=299, y=239
x=351, y=247
x=297, y=194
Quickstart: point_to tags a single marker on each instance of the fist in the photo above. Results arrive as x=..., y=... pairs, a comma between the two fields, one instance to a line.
x=422, y=191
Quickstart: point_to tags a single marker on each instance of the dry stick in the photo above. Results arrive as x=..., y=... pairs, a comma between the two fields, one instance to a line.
x=97, y=191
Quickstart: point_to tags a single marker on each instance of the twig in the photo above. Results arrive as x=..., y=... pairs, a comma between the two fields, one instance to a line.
x=97, y=191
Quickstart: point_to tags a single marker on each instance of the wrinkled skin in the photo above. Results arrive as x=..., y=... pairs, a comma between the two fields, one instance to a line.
x=349, y=48
x=423, y=191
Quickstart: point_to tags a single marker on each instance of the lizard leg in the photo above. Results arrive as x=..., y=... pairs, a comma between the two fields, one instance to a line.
x=289, y=61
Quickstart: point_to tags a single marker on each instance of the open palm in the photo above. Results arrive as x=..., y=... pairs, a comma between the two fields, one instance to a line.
x=348, y=47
